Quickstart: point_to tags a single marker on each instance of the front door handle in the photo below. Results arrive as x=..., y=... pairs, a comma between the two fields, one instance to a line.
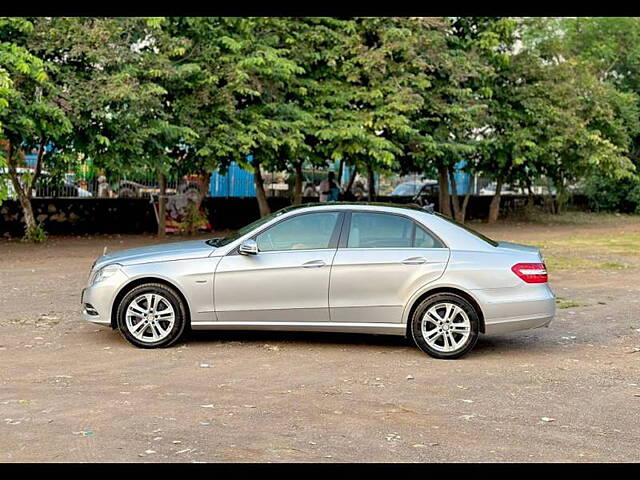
x=414, y=260
x=314, y=264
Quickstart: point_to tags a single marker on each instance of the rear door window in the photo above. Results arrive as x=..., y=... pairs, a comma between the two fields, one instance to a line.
x=382, y=230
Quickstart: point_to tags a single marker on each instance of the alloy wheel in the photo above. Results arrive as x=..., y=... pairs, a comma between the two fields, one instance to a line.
x=150, y=317
x=445, y=327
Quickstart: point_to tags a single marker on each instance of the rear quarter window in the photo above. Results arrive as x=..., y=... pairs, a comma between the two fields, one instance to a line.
x=479, y=235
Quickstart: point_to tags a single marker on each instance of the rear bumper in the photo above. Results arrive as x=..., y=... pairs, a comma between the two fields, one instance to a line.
x=520, y=308
x=516, y=324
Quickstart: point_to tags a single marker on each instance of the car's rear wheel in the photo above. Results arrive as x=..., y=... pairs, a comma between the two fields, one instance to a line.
x=445, y=325
x=151, y=315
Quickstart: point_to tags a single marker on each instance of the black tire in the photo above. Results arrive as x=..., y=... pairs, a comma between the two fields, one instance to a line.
x=418, y=318
x=179, y=309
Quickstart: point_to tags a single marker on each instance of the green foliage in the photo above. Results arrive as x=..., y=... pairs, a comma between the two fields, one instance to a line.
x=604, y=53
x=194, y=218
x=34, y=234
x=369, y=95
x=526, y=101
x=613, y=195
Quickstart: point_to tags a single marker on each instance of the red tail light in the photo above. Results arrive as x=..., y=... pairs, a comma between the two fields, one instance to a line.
x=531, y=272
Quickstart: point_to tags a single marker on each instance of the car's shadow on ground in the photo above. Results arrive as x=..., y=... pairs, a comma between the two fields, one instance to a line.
x=311, y=338
x=486, y=346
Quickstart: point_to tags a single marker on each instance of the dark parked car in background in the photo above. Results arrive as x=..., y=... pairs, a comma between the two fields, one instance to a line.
x=416, y=189
x=407, y=189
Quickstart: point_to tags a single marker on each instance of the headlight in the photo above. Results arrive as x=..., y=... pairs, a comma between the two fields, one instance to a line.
x=105, y=272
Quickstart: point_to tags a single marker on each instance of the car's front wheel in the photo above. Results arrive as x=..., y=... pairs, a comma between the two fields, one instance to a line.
x=445, y=325
x=151, y=315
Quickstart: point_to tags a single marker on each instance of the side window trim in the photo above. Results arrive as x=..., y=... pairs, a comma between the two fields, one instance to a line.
x=414, y=230
x=344, y=233
x=429, y=232
x=346, y=227
x=337, y=231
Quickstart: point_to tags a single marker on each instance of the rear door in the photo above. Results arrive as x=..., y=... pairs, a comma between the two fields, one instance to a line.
x=382, y=259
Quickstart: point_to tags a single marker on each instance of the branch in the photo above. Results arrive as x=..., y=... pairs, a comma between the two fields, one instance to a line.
x=13, y=173
x=43, y=142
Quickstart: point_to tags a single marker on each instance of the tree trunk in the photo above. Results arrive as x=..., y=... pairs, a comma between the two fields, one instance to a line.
x=25, y=203
x=562, y=196
x=204, y=187
x=297, y=189
x=530, y=199
x=465, y=202
x=494, y=207
x=36, y=174
x=24, y=191
x=352, y=179
x=261, y=195
x=371, y=180
x=443, y=193
x=340, y=170
x=162, y=205
x=457, y=211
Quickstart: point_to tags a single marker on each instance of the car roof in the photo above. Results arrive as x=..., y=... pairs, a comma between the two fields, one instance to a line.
x=386, y=206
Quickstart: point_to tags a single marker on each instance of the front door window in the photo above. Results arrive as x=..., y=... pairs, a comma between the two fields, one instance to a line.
x=311, y=231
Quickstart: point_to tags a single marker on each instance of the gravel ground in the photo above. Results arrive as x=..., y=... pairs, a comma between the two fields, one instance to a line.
x=72, y=391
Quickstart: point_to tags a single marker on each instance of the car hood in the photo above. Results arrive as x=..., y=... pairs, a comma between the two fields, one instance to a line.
x=156, y=253
x=517, y=247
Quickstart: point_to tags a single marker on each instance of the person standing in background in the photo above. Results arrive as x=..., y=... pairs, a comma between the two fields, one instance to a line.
x=329, y=188
x=103, y=187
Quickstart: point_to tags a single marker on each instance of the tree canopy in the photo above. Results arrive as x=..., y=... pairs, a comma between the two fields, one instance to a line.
x=523, y=101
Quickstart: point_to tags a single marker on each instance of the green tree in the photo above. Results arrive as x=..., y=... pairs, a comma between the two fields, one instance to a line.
x=31, y=112
x=452, y=118
x=113, y=73
x=231, y=87
x=317, y=45
x=375, y=92
x=594, y=117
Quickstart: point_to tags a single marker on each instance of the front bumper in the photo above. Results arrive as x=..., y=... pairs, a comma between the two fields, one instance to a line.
x=521, y=308
x=97, y=299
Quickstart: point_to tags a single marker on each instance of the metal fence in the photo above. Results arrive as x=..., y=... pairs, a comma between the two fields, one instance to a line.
x=235, y=182
x=70, y=186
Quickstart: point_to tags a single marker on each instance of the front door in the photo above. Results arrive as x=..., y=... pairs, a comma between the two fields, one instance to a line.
x=288, y=280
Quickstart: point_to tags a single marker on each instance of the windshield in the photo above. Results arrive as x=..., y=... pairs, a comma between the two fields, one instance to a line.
x=493, y=243
x=406, y=189
x=220, y=242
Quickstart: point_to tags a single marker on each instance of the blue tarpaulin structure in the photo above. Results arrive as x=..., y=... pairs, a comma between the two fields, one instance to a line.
x=464, y=181
x=237, y=182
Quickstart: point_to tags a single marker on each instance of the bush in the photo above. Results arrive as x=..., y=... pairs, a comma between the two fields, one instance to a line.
x=194, y=218
x=34, y=234
x=609, y=195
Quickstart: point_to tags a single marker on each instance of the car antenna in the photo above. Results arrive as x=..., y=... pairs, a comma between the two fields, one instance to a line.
x=429, y=208
x=104, y=252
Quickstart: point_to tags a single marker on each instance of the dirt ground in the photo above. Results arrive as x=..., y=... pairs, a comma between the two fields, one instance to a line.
x=73, y=391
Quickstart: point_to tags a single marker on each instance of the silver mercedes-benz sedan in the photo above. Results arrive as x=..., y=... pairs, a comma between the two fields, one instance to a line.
x=368, y=268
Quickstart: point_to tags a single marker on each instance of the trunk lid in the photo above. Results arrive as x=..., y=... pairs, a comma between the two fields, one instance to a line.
x=518, y=247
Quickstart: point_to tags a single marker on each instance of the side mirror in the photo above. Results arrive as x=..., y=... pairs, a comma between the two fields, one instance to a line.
x=248, y=247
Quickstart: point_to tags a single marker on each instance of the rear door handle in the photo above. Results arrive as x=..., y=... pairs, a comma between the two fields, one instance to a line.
x=314, y=264
x=414, y=260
